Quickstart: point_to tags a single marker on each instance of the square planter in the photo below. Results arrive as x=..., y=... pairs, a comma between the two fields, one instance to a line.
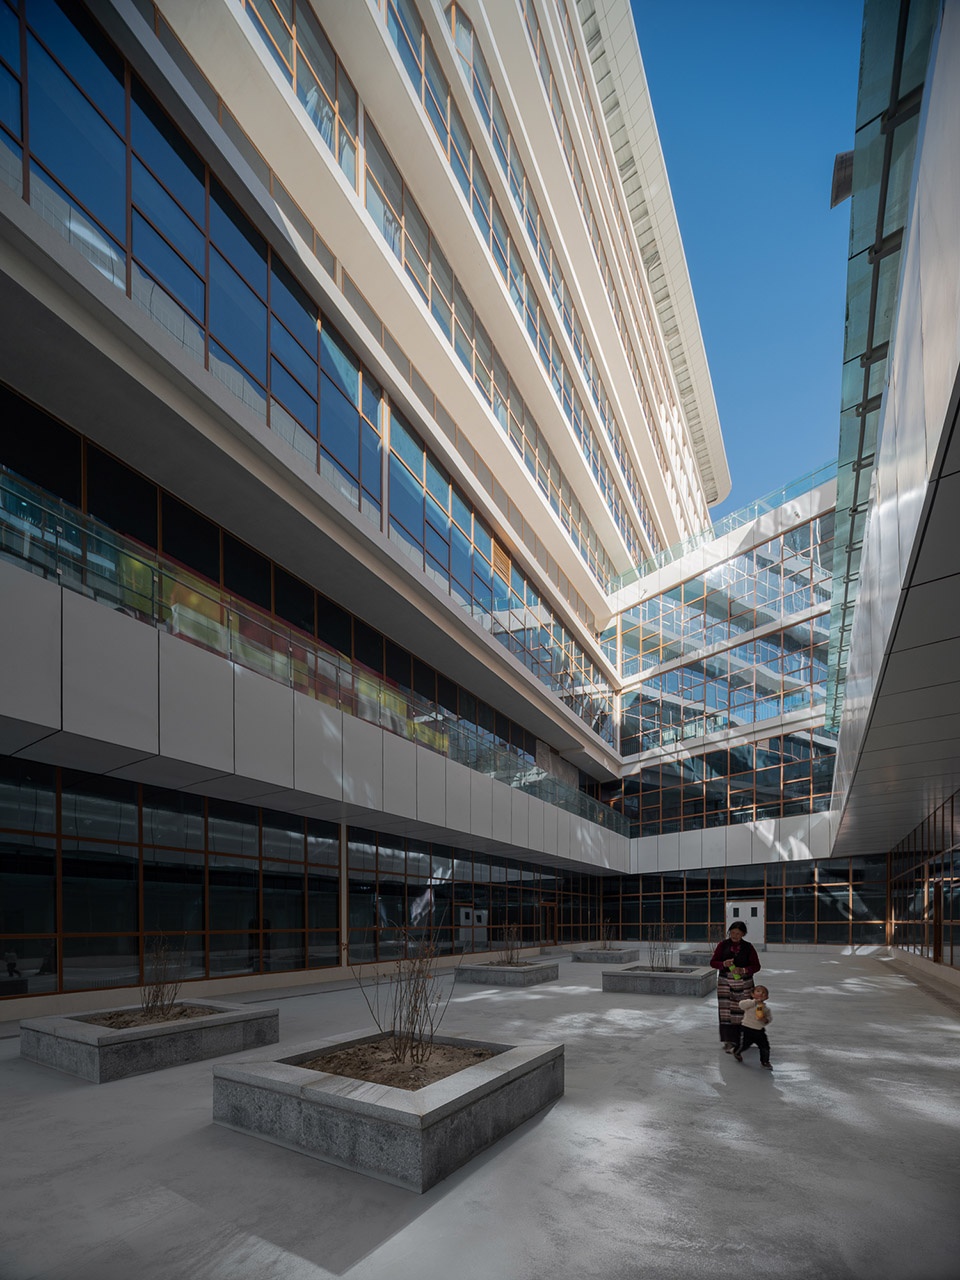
x=628, y=955
x=100, y=1054
x=410, y=1138
x=693, y=980
x=696, y=957
x=527, y=974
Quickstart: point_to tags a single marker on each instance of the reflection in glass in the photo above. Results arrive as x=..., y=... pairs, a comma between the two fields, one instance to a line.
x=172, y=890
x=29, y=966
x=99, y=888
x=233, y=885
x=28, y=796
x=231, y=953
x=91, y=963
x=28, y=885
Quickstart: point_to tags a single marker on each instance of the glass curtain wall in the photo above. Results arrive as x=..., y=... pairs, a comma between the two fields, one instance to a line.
x=96, y=872
x=925, y=887
x=403, y=892
x=835, y=901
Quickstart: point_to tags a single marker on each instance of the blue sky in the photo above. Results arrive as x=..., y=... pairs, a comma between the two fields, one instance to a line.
x=753, y=99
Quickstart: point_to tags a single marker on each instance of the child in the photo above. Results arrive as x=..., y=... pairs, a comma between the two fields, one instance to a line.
x=756, y=1015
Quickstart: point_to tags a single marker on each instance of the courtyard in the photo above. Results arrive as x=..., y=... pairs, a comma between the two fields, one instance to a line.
x=664, y=1159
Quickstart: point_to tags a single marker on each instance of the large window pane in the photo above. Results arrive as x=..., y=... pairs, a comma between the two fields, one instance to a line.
x=75, y=143
x=233, y=828
x=294, y=308
x=99, y=889
x=238, y=319
x=93, y=963
x=406, y=498
x=79, y=46
x=234, y=900
x=167, y=216
x=172, y=891
x=166, y=266
x=28, y=795
x=302, y=365
x=98, y=808
x=162, y=147
x=283, y=896
x=31, y=962
x=340, y=428
x=236, y=239
x=28, y=885
x=292, y=395
x=340, y=364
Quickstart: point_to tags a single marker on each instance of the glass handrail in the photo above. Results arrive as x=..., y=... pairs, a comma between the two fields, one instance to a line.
x=726, y=524
x=56, y=541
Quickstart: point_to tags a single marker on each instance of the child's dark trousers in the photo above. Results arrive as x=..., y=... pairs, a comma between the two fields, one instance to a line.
x=748, y=1037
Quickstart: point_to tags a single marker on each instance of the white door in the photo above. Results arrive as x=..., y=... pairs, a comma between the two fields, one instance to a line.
x=750, y=911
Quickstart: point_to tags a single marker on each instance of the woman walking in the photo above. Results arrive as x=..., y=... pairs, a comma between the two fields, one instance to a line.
x=736, y=962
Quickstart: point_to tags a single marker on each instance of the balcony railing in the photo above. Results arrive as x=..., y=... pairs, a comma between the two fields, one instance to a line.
x=726, y=524
x=54, y=540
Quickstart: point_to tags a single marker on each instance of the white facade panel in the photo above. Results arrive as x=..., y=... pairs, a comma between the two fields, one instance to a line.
x=263, y=728
x=196, y=706
x=458, y=781
x=109, y=676
x=362, y=763
x=502, y=812
x=668, y=851
x=399, y=776
x=691, y=849
x=519, y=817
x=318, y=748
x=481, y=805
x=431, y=788
x=535, y=819
x=30, y=659
x=739, y=848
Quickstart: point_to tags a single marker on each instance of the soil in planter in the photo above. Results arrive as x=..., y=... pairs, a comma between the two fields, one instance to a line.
x=121, y=1019
x=373, y=1062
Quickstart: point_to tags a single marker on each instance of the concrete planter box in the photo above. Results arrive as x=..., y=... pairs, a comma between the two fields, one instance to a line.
x=696, y=957
x=629, y=955
x=100, y=1054
x=687, y=981
x=410, y=1138
x=527, y=974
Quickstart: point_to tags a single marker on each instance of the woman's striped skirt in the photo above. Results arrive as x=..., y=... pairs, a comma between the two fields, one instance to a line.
x=730, y=992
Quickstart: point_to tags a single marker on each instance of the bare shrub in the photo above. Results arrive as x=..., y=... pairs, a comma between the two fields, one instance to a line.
x=608, y=936
x=163, y=975
x=661, y=942
x=408, y=1003
x=510, y=951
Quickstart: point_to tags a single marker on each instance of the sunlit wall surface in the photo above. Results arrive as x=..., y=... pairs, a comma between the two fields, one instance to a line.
x=893, y=64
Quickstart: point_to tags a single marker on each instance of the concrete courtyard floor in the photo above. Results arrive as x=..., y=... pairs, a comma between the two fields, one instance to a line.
x=665, y=1159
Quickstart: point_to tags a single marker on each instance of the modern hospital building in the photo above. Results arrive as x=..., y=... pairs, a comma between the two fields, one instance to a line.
x=357, y=450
